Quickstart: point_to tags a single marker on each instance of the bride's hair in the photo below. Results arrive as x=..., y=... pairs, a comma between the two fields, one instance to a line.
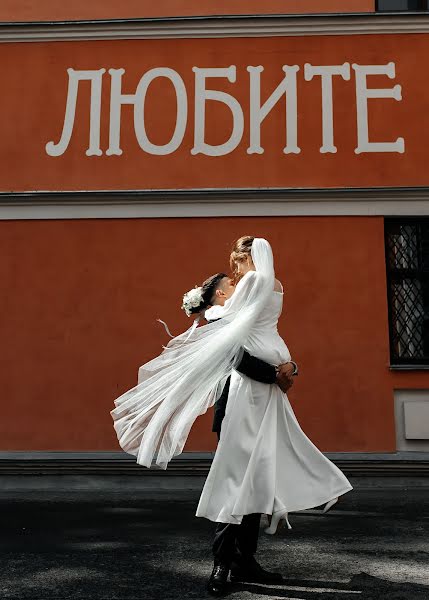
x=208, y=290
x=241, y=249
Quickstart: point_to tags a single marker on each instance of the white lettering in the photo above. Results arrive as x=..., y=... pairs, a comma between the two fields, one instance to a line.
x=286, y=91
x=201, y=96
x=95, y=77
x=117, y=99
x=258, y=113
x=326, y=73
x=362, y=95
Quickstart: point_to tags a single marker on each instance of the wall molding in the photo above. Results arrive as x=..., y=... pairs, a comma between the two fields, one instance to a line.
x=217, y=27
x=215, y=203
x=357, y=464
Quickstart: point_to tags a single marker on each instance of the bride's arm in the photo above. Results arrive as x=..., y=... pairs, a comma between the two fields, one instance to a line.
x=238, y=299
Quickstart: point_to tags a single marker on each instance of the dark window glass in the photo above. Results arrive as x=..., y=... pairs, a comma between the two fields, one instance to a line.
x=398, y=5
x=407, y=264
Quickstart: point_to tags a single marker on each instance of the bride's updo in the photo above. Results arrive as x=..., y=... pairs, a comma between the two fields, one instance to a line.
x=201, y=298
x=241, y=249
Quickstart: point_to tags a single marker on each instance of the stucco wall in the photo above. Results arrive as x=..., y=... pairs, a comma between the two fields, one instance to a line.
x=81, y=297
x=52, y=10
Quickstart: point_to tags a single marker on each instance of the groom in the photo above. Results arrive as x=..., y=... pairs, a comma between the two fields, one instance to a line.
x=234, y=545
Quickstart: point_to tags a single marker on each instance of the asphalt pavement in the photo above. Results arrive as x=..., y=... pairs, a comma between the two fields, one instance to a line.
x=131, y=545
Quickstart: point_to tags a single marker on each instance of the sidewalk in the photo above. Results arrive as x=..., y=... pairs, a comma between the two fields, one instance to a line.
x=149, y=545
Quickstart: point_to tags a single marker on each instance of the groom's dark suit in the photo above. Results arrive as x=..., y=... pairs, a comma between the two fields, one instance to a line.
x=238, y=543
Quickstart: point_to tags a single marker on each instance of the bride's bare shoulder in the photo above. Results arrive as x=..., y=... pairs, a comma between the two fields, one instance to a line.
x=278, y=286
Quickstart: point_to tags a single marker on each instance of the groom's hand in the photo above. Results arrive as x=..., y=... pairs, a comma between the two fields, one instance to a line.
x=284, y=376
x=286, y=369
x=284, y=381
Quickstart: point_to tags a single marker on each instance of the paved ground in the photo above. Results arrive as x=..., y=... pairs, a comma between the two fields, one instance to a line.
x=145, y=545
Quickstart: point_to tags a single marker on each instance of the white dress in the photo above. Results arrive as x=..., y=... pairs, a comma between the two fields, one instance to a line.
x=264, y=462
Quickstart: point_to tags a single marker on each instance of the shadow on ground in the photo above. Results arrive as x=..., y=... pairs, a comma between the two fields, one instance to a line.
x=362, y=586
x=84, y=546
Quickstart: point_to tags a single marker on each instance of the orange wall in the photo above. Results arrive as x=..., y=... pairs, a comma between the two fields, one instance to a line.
x=53, y=10
x=33, y=104
x=81, y=297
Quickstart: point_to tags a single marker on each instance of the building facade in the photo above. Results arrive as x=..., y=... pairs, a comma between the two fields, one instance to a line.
x=138, y=143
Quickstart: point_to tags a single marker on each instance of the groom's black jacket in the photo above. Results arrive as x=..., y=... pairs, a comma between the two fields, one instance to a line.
x=253, y=367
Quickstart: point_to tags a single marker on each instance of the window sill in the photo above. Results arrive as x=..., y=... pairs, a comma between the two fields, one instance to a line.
x=409, y=367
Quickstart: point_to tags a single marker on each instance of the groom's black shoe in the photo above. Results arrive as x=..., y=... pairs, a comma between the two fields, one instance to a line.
x=252, y=572
x=216, y=585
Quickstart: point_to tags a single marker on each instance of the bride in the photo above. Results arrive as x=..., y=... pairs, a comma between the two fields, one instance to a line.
x=264, y=462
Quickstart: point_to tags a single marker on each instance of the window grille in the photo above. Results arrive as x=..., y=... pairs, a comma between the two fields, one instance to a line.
x=407, y=263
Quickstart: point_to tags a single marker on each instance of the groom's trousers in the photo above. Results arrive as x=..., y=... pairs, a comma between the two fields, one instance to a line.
x=236, y=542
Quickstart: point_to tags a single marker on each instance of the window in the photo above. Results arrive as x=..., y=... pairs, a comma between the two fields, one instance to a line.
x=407, y=263
x=401, y=5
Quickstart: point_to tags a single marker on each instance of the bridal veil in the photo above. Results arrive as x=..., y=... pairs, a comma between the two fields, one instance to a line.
x=152, y=420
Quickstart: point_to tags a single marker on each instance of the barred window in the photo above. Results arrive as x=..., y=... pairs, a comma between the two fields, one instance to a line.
x=401, y=5
x=407, y=262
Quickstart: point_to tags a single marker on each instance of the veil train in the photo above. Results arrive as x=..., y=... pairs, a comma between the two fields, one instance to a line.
x=152, y=420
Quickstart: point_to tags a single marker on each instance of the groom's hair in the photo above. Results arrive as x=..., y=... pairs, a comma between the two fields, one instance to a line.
x=208, y=291
x=209, y=287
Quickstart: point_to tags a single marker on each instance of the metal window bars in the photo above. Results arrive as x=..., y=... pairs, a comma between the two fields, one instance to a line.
x=407, y=267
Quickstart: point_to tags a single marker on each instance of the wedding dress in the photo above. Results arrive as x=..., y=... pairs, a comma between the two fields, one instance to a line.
x=264, y=462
